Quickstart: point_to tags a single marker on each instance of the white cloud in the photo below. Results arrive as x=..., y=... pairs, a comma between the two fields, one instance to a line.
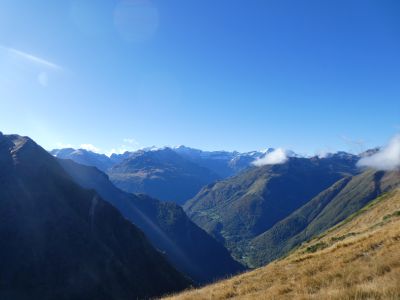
x=113, y=151
x=121, y=150
x=323, y=153
x=32, y=58
x=89, y=147
x=388, y=158
x=278, y=156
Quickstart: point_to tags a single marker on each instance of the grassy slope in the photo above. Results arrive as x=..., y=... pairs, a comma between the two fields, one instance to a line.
x=357, y=259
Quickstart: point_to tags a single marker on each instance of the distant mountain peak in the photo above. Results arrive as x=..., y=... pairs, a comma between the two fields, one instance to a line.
x=370, y=152
x=152, y=148
x=182, y=147
x=266, y=150
x=85, y=157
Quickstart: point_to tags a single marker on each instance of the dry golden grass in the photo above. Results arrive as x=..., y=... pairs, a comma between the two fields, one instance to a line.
x=357, y=259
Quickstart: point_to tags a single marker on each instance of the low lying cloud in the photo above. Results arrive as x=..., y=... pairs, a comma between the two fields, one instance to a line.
x=388, y=158
x=120, y=150
x=89, y=147
x=129, y=144
x=322, y=154
x=276, y=157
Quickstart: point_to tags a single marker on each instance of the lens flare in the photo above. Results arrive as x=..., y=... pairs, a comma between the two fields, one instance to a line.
x=136, y=20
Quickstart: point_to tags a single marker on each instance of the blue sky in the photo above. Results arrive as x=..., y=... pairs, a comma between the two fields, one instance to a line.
x=227, y=74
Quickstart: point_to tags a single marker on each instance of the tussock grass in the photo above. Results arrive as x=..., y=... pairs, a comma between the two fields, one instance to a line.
x=357, y=259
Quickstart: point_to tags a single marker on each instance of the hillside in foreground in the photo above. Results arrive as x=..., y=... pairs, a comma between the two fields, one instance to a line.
x=357, y=259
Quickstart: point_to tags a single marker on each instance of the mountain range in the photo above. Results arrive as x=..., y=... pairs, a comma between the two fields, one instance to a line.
x=169, y=174
x=180, y=216
x=258, y=213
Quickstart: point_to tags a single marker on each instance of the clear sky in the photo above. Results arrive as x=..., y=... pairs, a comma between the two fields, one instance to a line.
x=212, y=74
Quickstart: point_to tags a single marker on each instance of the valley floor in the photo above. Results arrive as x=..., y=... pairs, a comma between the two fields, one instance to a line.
x=357, y=259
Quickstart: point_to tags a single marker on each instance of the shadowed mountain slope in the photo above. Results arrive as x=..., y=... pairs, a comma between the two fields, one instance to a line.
x=59, y=241
x=189, y=248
